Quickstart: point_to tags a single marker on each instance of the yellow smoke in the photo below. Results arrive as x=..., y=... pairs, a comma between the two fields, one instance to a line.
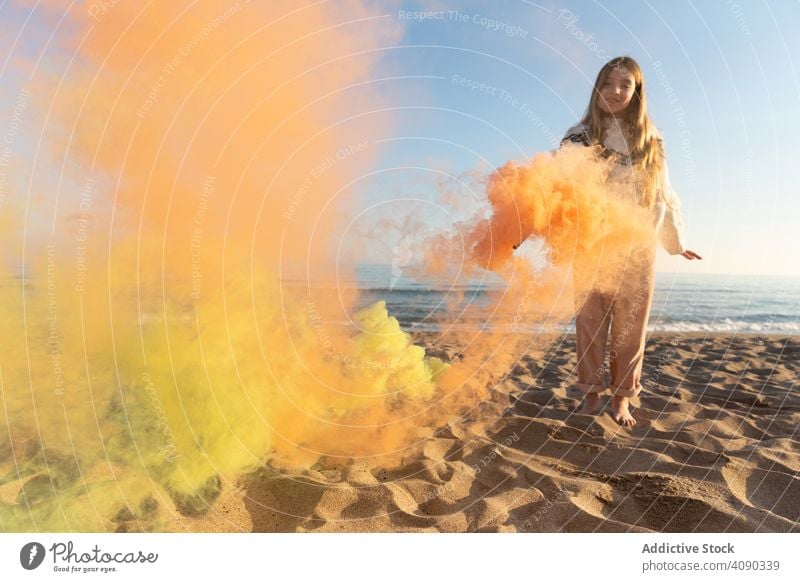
x=151, y=351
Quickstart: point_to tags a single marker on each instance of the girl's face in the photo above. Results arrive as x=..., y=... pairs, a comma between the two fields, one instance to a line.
x=617, y=91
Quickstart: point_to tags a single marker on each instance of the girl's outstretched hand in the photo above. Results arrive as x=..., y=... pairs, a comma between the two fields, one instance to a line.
x=691, y=255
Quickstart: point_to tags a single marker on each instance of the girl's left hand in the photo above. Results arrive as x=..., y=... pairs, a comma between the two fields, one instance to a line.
x=691, y=255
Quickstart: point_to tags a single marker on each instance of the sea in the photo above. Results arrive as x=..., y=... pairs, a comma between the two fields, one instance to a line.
x=711, y=303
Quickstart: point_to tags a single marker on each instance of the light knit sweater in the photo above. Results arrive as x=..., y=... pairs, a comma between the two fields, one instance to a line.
x=667, y=217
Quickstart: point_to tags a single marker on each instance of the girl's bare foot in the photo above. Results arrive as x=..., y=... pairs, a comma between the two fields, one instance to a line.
x=591, y=403
x=620, y=412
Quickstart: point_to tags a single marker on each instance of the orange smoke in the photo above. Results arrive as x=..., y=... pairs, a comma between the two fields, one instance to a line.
x=590, y=229
x=563, y=197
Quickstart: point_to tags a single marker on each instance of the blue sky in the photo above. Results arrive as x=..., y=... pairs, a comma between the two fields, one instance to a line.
x=722, y=85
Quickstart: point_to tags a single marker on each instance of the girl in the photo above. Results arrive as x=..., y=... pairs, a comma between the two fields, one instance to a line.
x=617, y=123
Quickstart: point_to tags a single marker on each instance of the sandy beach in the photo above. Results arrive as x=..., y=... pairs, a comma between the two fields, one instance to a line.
x=715, y=450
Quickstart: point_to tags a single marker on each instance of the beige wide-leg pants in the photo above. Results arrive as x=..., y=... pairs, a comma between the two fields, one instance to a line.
x=624, y=312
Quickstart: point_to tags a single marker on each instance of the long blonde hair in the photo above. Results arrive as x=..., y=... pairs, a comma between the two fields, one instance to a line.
x=646, y=150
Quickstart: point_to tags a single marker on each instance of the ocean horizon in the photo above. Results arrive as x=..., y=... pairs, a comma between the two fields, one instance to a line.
x=682, y=303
